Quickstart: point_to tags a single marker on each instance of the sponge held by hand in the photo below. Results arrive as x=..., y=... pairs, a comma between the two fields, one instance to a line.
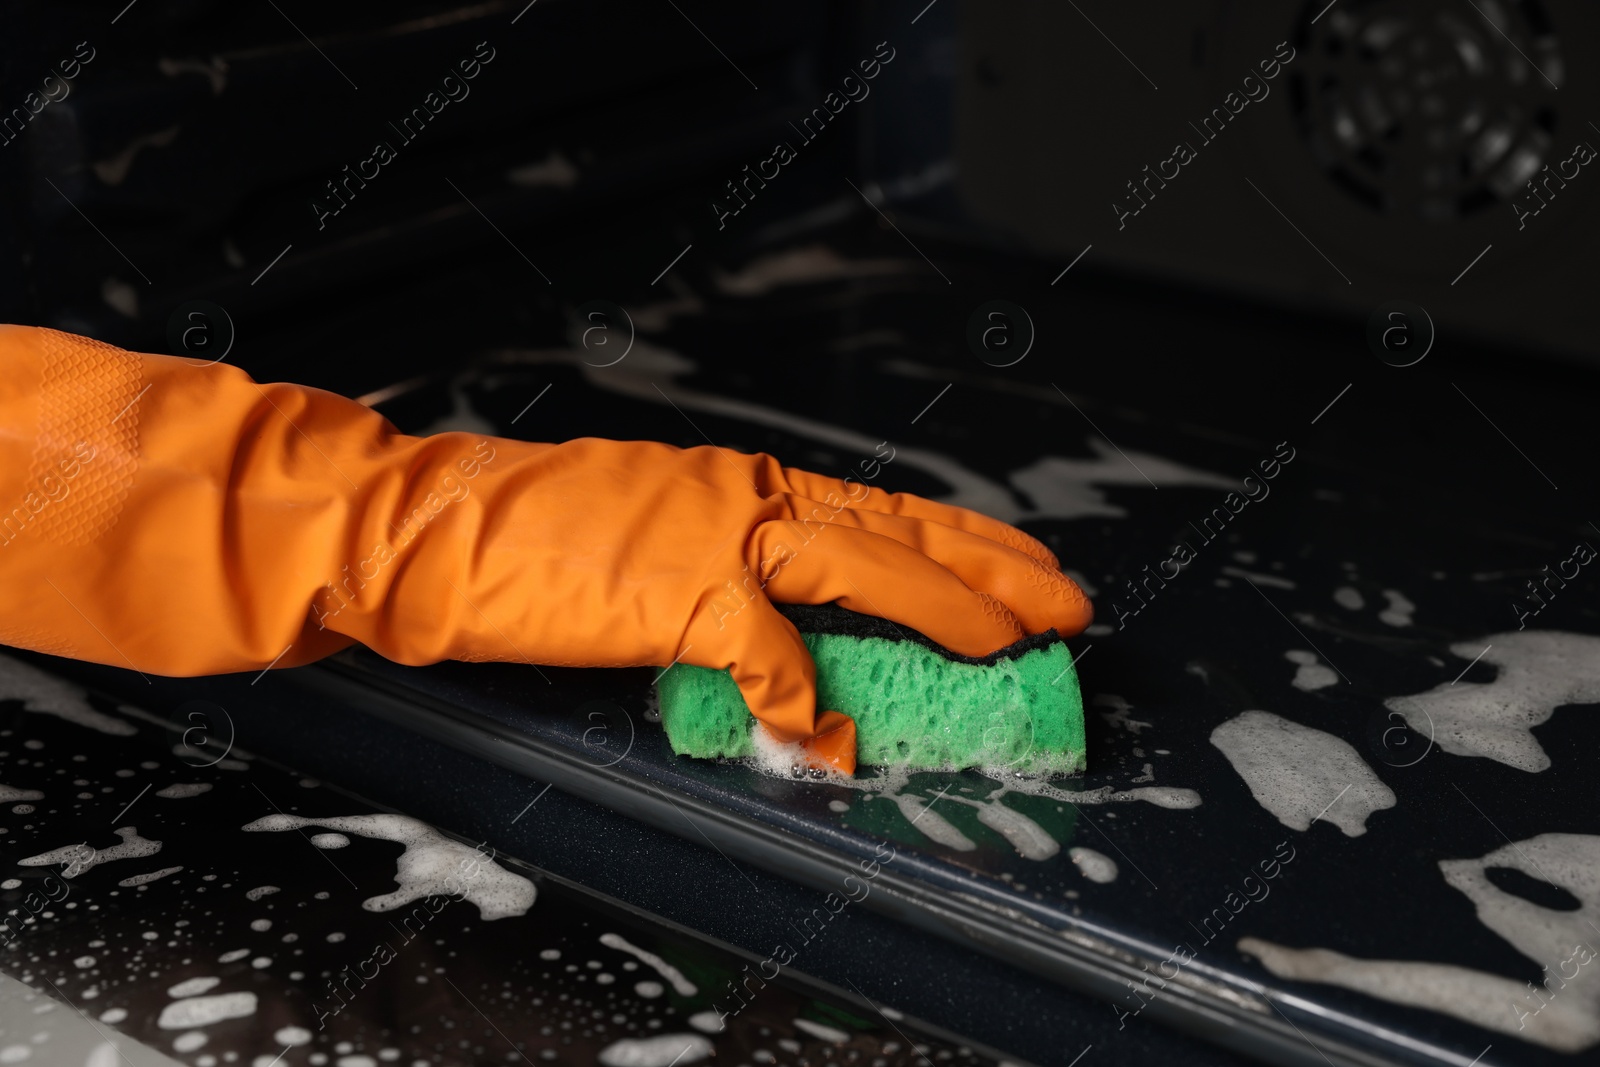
x=916, y=704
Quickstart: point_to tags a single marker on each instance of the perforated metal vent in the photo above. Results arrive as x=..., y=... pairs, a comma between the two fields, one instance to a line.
x=1428, y=108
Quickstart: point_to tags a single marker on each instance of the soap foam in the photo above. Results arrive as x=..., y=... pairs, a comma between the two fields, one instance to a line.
x=1400, y=609
x=680, y=985
x=1063, y=488
x=203, y=1011
x=1565, y=1018
x=1349, y=598
x=664, y=1050
x=81, y=857
x=1301, y=774
x=1540, y=670
x=193, y=987
x=48, y=695
x=821, y=1032
x=781, y=759
x=1096, y=866
x=1058, y=487
x=181, y=790
x=431, y=865
x=921, y=815
x=153, y=876
x=1031, y=840
x=1310, y=673
x=709, y=1022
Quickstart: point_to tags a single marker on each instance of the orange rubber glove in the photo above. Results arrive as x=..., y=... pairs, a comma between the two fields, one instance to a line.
x=174, y=516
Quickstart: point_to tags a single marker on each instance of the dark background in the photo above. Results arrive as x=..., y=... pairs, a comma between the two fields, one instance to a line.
x=1383, y=165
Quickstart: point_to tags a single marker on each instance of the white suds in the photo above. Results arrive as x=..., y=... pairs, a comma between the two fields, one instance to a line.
x=1064, y=488
x=806, y=265
x=330, y=840
x=1399, y=611
x=48, y=695
x=1171, y=797
x=1349, y=598
x=181, y=790
x=431, y=865
x=1096, y=866
x=1025, y=835
x=680, y=985
x=649, y=990
x=780, y=758
x=1562, y=1013
x=260, y=891
x=1118, y=717
x=9, y=793
x=145, y=879
x=921, y=815
x=708, y=1022
x=821, y=1032
x=236, y=954
x=203, y=1011
x=1482, y=999
x=1260, y=579
x=188, y=1042
x=1540, y=670
x=665, y=1050
x=80, y=857
x=193, y=987
x=1544, y=935
x=1030, y=839
x=1301, y=774
x=1310, y=673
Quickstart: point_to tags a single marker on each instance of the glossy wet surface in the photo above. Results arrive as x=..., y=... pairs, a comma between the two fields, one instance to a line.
x=235, y=932
x=1258, y=789
x=1258, y=782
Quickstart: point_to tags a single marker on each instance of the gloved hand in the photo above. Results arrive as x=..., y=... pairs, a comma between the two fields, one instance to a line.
x=176, y=517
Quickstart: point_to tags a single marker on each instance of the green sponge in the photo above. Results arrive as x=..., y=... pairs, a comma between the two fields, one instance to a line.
x=916, y=704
